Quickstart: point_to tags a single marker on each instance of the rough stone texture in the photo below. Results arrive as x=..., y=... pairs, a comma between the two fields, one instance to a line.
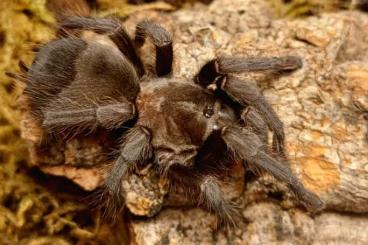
x=324, y=107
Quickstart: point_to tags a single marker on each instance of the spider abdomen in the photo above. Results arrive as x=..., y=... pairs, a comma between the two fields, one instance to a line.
x=52, y=70
x=78, y=75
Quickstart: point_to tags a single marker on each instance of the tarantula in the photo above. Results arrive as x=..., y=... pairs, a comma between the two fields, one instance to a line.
x=191, y=131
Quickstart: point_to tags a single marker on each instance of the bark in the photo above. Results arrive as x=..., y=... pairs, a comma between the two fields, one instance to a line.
x=324, y=107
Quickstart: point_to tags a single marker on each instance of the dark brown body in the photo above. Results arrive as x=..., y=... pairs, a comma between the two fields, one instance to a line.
x=191, y=133
x=180, y=126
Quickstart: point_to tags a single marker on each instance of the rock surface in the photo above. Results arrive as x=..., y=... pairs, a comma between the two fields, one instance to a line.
x=324, y=107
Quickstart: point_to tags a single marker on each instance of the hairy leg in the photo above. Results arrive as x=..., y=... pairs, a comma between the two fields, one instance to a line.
x=161, y=39
x=221, y=66
x=213, y=198
x=109, y=116
x=253, y=119
x=135, y=149
x=115, y=32
x=216, y=70
x=247, y=94
x=205, y=185
x=249, y=147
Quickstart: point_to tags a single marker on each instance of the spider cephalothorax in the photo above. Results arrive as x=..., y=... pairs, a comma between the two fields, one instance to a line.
x=190, y=130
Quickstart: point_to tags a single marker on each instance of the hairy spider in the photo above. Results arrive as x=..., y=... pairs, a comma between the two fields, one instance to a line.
x=191, y=131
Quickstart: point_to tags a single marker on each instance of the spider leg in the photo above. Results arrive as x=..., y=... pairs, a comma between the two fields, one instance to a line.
x=253, y=119
x=109, y=116
x=115, y=31
x=135, y=149
x=224, y=65
x=161, y=39
x=212, y=196
x=205, y=183
x=247, y=94
x=216, y=71
x=249, y=147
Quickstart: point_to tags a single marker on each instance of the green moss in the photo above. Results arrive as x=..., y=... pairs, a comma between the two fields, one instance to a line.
x=122, y=8
x=298, y=8
x=38, y=8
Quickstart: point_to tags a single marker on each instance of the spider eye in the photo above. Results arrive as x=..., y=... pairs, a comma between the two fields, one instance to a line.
x=208, y=111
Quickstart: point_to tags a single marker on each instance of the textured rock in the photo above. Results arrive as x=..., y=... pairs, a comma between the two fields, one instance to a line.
x=324, y=107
